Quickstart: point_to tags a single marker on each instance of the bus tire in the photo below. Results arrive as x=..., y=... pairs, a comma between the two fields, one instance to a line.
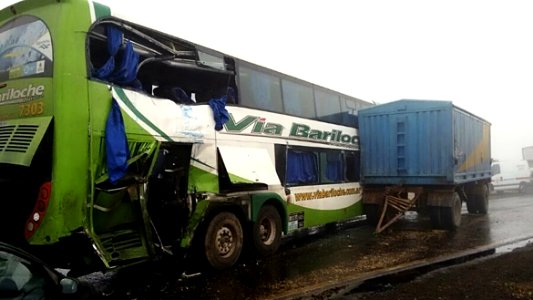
x=267, y=231
x=223, y=240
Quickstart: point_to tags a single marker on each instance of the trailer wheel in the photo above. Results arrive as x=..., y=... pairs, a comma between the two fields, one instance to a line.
x=267, y=231
x=447, y=217
x=483, y=200
x=451, y=216
x=472, y=204
x=223, y=240
x=372, y=213
x=478, y=203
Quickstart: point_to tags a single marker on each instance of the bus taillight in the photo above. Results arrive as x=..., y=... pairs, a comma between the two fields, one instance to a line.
x=39, y=211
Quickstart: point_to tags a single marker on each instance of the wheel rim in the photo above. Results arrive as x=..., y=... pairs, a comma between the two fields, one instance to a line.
x=224, y=241
x=267, y=231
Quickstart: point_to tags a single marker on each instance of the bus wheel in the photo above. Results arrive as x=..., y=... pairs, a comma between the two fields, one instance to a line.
x=223, y=240
x=267, y=231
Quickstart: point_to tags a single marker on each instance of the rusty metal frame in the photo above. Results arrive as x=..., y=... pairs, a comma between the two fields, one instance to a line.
x=394, y=202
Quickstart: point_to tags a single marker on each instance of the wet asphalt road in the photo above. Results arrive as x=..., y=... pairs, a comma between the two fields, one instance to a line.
x=339, y=254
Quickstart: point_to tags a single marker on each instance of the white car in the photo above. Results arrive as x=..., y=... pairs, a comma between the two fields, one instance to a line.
x=511, y=175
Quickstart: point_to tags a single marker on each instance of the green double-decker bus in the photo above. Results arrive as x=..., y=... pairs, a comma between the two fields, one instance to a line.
x=121, y=144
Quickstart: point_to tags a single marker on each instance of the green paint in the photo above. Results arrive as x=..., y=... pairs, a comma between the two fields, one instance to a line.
x=316, y=217
x=259, y=126
x=237, y=179
x=259, y=199
x=202, y=181
x=101, y=11
x=195, y=220
x=66, y=100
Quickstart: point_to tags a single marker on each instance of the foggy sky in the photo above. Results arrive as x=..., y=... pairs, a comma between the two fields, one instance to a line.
x=478, y=54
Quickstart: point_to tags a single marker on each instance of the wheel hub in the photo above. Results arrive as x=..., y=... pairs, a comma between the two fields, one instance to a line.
x=224, y=241
x=266, y=232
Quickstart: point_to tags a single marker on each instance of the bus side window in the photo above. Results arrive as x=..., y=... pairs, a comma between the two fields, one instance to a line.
x=331, y=166
x=352, y=166
x=122, y=61
x=302, y=167
x=175, y=94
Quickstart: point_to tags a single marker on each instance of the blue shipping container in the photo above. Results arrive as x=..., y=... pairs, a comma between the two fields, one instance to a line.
x=423, y=142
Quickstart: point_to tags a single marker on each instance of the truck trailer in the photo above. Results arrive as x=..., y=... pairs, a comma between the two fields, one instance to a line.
x=426, y=155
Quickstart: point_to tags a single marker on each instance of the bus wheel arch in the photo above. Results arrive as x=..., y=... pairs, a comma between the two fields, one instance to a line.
x=223, y=239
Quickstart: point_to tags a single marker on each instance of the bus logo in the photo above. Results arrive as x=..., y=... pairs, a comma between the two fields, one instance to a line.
x=259, y=125
x=22, y=95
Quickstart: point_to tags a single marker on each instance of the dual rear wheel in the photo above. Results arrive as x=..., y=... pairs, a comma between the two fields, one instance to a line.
x=223, y=241
x=444, y=217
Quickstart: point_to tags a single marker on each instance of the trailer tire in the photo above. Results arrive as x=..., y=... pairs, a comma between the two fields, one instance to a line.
x=267, y=231
x=223, y=240
x=478, y=203
x=372, y=213
x=444, y=217
x=451, y=216
x=472, y=204
x=482, y=201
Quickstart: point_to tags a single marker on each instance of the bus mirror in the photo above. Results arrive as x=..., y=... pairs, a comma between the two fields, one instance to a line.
x=287, y=192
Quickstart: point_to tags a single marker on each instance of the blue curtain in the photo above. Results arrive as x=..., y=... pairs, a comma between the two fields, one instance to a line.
x=121, y=66
x=302, y=167
x=117, y=152
x=126, y=72
x=114, y=41
x=334, y=167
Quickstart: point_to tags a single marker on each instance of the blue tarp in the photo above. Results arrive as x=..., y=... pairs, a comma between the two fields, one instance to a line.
x=116, y=143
